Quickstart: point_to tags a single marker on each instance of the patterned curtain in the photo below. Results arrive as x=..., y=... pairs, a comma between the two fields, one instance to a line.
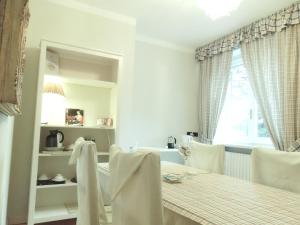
x=273, y=64
x=274, y=23
x=14, y=16
x=213, y=83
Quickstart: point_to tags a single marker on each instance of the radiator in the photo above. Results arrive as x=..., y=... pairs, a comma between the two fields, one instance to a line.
x=237, y=165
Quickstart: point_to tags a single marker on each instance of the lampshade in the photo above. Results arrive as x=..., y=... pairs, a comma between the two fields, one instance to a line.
x=54, y=88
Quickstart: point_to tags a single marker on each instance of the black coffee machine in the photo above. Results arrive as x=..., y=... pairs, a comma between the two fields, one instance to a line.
x=55, y=138
x=171, y=142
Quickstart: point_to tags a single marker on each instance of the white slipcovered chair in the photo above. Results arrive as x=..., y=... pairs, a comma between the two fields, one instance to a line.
x=207, y=157
x=135, y=187
x=91, y=209
x=276, y=169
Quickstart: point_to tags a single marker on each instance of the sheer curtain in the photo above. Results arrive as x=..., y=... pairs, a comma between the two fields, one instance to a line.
x=213, y=82
x=273, y=64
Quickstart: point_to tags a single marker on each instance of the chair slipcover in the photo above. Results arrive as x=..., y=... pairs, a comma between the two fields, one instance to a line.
x=207, y=157
x=276, y=168
x=90, y=203
x=135, y=187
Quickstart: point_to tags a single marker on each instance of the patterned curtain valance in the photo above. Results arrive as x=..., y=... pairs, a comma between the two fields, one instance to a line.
x=274, y=23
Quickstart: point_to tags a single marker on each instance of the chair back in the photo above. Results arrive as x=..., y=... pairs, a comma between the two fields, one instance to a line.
x=276, y=169
x=207, y=157
x=90, y=203
x=135, y=187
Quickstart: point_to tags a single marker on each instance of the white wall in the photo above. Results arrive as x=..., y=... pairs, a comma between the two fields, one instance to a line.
x=165, y=94
x=6, y=137
x=156, y=100
x=77, y=27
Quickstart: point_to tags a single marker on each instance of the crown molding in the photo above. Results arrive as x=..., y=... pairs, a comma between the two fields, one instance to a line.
x=94, y=10
x=165, y=44
x=73, y=4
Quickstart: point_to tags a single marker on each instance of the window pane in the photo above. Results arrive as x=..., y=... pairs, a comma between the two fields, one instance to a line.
x=239, y=102
x=261, y=127
x=240, y=121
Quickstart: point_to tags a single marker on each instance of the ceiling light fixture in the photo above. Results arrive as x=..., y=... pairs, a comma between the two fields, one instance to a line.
x=218, y=8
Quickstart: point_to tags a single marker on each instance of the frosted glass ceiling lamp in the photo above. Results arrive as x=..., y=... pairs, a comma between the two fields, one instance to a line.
x=218, y=8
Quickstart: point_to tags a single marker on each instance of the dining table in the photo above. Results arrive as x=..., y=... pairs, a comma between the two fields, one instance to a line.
x=208, y=198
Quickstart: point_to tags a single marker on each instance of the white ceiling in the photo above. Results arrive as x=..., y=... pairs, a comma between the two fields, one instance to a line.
x=181, y=22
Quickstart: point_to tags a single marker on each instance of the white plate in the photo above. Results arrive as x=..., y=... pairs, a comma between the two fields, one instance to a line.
x=54, y=148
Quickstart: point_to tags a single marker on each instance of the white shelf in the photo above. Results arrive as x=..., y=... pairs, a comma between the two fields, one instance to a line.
x=93, y=83
x=87, y=82
x=54, y=213
x=67, y=184
x=76, y=127
x=55, y=154
x=102, y=153
x=58, y=154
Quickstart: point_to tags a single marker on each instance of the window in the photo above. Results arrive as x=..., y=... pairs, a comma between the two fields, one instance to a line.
x=241, y=121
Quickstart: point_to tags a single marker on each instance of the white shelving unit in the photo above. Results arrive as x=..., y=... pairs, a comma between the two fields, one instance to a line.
x=54, y=213
x=90, y=80
x=67, y=153
x=92, y=83
x=67, y=184
x=78, y=127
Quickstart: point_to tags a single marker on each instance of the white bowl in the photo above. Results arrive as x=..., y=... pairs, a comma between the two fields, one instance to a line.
x=43, y=177
x=58, y=178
